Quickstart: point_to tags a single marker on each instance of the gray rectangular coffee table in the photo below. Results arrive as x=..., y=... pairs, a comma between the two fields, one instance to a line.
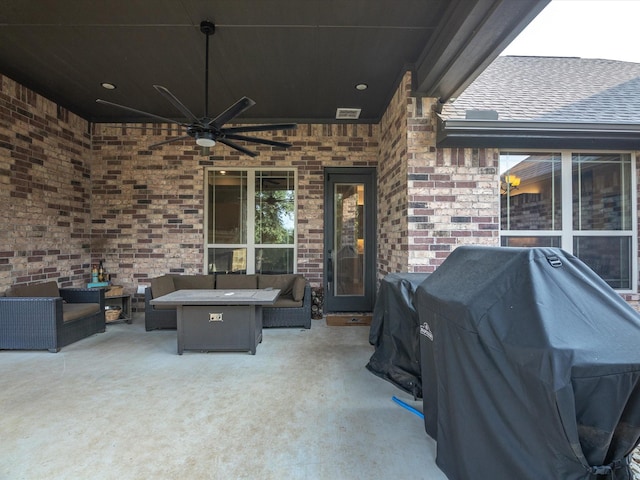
x=219, y=320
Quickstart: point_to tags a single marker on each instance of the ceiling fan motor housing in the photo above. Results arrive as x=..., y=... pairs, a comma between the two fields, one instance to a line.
x=206, y=27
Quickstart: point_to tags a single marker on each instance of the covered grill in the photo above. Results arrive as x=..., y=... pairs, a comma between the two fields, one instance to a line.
x=530, y=366
x=394, y=333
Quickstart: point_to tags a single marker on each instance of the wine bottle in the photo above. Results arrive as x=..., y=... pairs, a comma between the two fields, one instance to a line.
x=100, y=272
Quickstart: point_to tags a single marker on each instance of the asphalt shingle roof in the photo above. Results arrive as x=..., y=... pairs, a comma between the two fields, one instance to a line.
x=554, y=89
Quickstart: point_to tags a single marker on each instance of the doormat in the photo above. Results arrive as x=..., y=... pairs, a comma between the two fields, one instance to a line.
x=346, y=319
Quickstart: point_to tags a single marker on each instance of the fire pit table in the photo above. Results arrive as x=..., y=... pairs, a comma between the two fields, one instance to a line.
x=219, y=320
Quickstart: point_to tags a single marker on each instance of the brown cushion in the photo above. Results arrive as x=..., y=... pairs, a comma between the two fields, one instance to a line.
x=298, y=288
x=230, y=281
x=284, y=303
x=187, y=282
x=284, y=282
x=162, y=285
x=291, y=285
x=45, y=289
x=74, y=311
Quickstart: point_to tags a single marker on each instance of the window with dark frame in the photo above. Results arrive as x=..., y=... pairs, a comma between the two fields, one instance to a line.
x=580, y=202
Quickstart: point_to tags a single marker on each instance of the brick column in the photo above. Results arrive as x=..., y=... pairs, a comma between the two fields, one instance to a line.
x=431, y=200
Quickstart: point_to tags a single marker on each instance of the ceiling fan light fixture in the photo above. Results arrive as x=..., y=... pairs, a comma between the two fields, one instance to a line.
x=108, y=85
x=205, y=139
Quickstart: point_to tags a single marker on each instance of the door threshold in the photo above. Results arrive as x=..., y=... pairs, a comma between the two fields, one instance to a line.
x=348, y=318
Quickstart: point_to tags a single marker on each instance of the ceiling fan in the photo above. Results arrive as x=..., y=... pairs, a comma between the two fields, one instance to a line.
x=206, y=130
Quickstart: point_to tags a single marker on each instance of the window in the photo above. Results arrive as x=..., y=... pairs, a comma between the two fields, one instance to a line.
x=580, y=202
x=250, y=221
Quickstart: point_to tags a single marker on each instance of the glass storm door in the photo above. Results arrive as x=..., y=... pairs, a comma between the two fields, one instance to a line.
x=349, y=267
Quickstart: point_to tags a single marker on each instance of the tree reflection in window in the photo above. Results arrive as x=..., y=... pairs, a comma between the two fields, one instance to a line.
x=275, y=201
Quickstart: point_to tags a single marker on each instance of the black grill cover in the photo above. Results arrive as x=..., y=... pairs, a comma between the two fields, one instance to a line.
x=394, y=332
x=534, y=367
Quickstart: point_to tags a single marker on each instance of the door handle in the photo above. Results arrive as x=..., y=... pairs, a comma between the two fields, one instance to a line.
x=329, y=269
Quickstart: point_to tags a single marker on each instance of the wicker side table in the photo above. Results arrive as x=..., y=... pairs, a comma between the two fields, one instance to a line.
x=124, y=303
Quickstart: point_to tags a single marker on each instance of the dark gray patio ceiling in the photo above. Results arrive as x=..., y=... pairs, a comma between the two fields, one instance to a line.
x=298, y=59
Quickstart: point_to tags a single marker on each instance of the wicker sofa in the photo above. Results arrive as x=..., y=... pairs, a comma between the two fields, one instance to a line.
x=291, y=309
x=45, y=317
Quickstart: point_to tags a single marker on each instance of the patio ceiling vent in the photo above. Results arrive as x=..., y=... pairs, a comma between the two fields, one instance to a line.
x=348, y=113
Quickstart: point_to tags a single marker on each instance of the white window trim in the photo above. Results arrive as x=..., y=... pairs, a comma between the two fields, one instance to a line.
x=251, y=224
x=568, y=233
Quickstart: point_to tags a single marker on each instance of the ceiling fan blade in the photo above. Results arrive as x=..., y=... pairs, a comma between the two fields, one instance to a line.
x=176, y=103
x=174, y=139
x=233, y=111
x=155, y=127
x=260, y=128
x=140, y=112
x=237, y=147
x=262, y=141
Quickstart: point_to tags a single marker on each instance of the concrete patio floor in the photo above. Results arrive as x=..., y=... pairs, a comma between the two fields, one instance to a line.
x=124, y=405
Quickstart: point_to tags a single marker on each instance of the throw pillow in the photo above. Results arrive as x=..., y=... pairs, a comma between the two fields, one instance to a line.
x=189, y=282
x=45, y=289
x=298, y=288
x=232, y=281
x=283, y=282
x=162, y=285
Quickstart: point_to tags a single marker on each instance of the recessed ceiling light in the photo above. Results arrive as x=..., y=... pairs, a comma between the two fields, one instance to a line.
x=108, y=86
x=361, y=86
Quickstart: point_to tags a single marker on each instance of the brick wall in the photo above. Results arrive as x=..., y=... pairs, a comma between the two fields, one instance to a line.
x=431, y=200
x=393, y=247
x=148, y=205
x=71, y=197
x=455, y=201
x=45, y=190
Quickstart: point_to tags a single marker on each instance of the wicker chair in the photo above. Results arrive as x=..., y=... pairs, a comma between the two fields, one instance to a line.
x=288, y=316
x=156, y=318
x=36, y=323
